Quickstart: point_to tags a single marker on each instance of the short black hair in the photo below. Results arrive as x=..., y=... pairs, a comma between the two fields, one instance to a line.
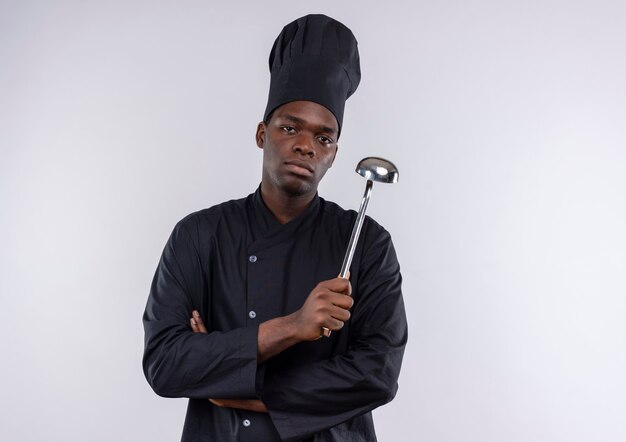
x=267, y=119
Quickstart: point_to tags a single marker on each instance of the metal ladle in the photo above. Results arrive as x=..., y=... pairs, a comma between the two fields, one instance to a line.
x=372, y=169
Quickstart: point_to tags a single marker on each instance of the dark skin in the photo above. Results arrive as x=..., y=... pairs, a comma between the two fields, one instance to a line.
x=299, y=145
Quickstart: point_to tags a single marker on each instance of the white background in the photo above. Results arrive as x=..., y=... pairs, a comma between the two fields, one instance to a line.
x=507, y=121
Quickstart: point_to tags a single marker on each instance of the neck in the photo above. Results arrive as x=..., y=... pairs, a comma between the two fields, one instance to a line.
x=285, y=207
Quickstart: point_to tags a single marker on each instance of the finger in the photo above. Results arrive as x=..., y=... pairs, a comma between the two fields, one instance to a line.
x=346, y=288
x=333, y=324
x=348, y=292
x=338, y=285
x=347, y=275
x=194, y=325
x=199, y=322
x=343, y=301
x=339, y=313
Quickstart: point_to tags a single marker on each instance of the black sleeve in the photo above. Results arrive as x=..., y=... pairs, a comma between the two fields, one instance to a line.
x=178, y=362
x=310, y=398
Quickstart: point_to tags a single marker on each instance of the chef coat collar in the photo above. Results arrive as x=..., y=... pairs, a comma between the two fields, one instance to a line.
x=267, y=231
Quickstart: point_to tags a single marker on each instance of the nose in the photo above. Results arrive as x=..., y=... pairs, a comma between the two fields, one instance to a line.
x=304, y=146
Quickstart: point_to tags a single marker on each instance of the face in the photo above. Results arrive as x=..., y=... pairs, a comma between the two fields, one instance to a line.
x=299, y=145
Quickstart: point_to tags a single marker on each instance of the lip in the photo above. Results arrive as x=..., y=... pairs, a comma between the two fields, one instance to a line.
x=299, y=167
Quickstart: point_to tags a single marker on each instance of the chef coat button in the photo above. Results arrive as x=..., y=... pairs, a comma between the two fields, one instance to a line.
x=246, y=422
x=252, y=314
x=252, y=258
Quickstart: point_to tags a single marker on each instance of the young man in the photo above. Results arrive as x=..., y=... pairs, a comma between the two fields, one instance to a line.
x=278, y=347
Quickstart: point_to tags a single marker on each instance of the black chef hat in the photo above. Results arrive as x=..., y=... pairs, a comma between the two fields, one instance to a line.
x=314, y=58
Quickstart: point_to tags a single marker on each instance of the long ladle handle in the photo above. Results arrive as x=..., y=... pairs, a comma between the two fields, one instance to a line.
x=356, y=230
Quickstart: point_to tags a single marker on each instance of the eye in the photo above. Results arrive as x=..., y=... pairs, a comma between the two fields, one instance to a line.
x=325, y=140
x=288, y=129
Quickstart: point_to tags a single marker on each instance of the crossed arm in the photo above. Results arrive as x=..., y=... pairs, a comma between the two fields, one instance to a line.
x=327, y=305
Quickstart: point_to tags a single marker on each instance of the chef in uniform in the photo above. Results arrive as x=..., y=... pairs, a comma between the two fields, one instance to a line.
x=246, y=316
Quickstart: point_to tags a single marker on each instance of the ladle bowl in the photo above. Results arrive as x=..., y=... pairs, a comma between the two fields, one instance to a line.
x=378, y=169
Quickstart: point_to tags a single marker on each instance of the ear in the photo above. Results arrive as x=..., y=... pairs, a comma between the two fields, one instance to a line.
x=260, y=134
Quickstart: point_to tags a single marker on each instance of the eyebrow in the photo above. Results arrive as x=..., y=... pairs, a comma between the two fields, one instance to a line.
x=301, y=121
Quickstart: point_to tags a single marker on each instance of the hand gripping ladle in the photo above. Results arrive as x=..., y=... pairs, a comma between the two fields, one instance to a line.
x=372, y=169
